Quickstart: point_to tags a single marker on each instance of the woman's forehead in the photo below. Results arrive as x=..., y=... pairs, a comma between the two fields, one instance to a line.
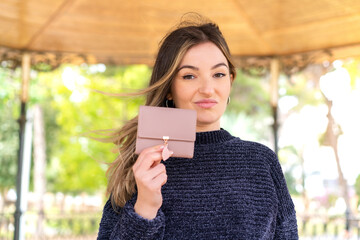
x=206, y=53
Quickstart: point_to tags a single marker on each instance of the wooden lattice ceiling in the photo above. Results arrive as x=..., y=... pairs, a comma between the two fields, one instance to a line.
x=128, y=32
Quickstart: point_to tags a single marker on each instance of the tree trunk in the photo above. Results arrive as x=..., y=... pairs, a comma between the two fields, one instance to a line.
x=331, y=139
x=39, y=169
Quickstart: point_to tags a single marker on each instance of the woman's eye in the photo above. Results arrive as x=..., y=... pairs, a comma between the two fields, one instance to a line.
x=188, y=77
x=219, y=75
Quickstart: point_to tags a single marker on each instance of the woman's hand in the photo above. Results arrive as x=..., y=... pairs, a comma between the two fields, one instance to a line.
x=150, y=176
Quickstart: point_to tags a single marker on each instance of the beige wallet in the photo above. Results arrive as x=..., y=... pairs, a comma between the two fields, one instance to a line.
x=173, y=126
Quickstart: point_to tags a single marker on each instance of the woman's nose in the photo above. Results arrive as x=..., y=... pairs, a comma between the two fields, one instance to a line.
x=206, y=87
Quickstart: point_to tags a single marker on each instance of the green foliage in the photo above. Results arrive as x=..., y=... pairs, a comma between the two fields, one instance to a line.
x=303, y=88
x=9, y=133
x=353, y=67
x=249, y=95
x=331, y=201
x=289, y=158
x=75, y=225
x=357, y=185
x=298, y=91
x=77, y=163
x=74, y=163
x=249, y=112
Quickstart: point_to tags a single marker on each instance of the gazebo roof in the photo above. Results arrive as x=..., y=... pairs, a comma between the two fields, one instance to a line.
x=128, y=32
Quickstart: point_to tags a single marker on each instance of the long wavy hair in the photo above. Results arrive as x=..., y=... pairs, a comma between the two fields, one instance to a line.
x=121, y=181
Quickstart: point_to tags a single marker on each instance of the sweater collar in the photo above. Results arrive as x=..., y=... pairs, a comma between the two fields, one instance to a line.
x=217, y=136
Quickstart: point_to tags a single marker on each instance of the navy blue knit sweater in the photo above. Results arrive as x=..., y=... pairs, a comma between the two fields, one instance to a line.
x=231, y=189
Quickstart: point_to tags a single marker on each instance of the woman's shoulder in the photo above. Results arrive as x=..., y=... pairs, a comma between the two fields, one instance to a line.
x=253, y=148
x=251, y=145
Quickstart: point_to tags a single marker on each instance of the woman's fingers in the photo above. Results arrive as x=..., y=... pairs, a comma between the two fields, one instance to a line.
x=150, y=175
x=154, y=178
x=148, y=157
x=149, y=161
x=157, y=170
x=161, y=179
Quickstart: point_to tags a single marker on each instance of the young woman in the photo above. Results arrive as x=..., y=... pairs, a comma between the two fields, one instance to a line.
x=230, y=189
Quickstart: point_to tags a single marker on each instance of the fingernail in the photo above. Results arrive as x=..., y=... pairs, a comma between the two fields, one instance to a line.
x=171, y=152
x=161, y=147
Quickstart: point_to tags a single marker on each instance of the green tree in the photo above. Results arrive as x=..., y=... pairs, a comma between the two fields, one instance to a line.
x=357, y=187
x=249, y=111
x=353, y=66
x=77, y=163
x=9, y=135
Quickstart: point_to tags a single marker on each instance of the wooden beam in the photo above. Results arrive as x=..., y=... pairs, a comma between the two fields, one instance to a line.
x=274, y=71
x=274, y=96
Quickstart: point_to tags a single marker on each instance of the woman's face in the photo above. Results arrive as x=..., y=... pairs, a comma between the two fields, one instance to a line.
x=203, y=83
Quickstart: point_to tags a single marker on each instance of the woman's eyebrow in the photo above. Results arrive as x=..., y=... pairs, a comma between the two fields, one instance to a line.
x=197, y=69
x=188, y=66
x=219, y=65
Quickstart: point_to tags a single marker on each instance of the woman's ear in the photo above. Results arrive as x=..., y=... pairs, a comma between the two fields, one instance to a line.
x=169, y=96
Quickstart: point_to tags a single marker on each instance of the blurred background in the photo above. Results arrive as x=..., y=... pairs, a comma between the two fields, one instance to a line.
x=297, y=91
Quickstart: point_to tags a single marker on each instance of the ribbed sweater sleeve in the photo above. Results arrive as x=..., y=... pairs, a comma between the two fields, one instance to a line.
x=286, y=225
x=128, y=225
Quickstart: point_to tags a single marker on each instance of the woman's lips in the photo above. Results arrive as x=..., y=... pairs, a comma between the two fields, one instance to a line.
x=206, y=103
